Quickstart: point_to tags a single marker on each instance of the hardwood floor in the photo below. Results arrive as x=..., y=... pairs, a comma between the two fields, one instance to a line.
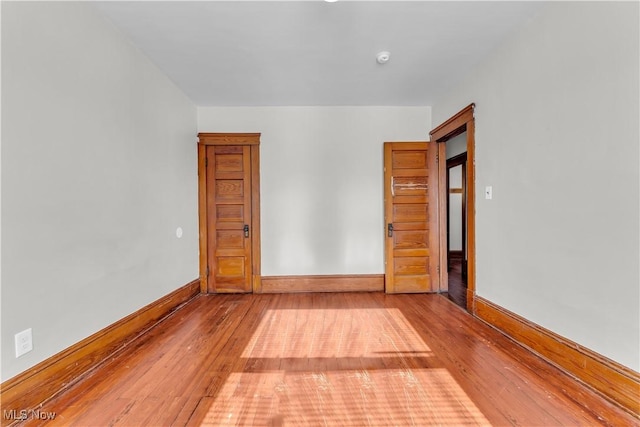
x=457, y=284
x=351, y=359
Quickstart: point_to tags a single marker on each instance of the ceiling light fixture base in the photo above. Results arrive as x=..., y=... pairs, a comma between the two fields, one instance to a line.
x=383, y=57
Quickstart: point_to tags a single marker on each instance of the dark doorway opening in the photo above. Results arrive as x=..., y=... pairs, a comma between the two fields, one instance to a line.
x=456, y=229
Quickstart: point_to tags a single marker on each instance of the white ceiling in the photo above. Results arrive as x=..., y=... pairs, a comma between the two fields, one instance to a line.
x=272, y=53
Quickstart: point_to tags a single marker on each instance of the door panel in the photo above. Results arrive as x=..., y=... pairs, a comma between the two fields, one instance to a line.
x=229, y=191
x=230, y=213
x=411, y=195
x=412, y=239
x=409, y=160
x=414, y=212
x=229, y=207
x=231, y=239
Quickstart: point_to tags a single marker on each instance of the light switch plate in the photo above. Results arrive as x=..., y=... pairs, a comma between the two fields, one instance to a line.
x=488, y=192
x=24, y=342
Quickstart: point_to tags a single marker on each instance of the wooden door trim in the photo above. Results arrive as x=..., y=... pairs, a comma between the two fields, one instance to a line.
x=460, y=122
x=443, y=211
x=38, y=384
x=619, y=384
x=211, y=138
x=255, y=216
x=388, y=271
x=202, y=217
x=252, y=140
x=323, y=283
x=454, y=125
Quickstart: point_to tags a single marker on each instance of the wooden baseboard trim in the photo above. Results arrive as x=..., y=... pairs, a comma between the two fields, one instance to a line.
x=471, y=301
x=332, y=283
x=612, y=380
x=28, y=390
x=455, y=254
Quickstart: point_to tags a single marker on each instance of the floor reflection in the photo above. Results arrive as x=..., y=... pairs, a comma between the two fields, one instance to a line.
x=340, y=367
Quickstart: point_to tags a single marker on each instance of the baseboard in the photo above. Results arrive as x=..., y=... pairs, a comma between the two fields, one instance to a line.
x=471, y=301
x=615, y=382
x=40, y=383
x=333, y=283
x=455, y=254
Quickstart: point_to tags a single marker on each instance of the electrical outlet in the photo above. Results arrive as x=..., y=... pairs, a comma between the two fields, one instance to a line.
x=24, y=342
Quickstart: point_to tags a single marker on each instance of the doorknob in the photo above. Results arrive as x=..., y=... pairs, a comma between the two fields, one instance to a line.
x=246, y=230
x=390, y=230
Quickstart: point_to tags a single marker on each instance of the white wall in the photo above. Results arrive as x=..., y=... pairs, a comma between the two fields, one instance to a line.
x=99, y=168
x=321, y=181
x=557, y=136
x=455, y=209
x=456, y=145
x=1, y=189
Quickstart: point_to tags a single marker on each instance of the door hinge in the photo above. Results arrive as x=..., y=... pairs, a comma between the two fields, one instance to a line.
x=206, y=162
x=438, y=268
x=207, y=272
x=437, y=156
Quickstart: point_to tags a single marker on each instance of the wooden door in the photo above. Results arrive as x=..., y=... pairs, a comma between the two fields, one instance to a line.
x=412, y=252
x=228, y=217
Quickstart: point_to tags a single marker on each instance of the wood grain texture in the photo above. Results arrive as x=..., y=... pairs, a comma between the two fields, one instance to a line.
x=229, y=192
x=202, y=217
x=443, y=215
x=614, y=381
x=210, y=138
x=457, y=290
x=460, y=122
x=470, y=206
x=454, y=125
x=229, y=199
x=411, y=199
x=37, y=385
x=324, y=283
x=359, y=359
x=255, y=218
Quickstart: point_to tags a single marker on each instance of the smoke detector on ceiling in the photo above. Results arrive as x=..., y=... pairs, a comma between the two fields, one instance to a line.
x=383, y=57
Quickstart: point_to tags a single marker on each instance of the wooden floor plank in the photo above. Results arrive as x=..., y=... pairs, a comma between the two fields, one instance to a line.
x=356, y=359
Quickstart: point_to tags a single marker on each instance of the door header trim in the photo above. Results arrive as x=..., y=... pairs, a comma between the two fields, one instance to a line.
x=208, y=138
x=454, y=125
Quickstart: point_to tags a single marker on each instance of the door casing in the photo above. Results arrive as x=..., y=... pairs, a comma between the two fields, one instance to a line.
x=237, y=139
x=460, y=122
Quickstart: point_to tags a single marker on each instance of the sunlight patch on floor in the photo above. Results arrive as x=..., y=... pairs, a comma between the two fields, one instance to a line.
x=353, y=367
x=344, y=398
x=334, y=333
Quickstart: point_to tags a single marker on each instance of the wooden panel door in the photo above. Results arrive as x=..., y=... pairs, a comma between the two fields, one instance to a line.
x=229, y=212
x=412, y=250
x=228, y=170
